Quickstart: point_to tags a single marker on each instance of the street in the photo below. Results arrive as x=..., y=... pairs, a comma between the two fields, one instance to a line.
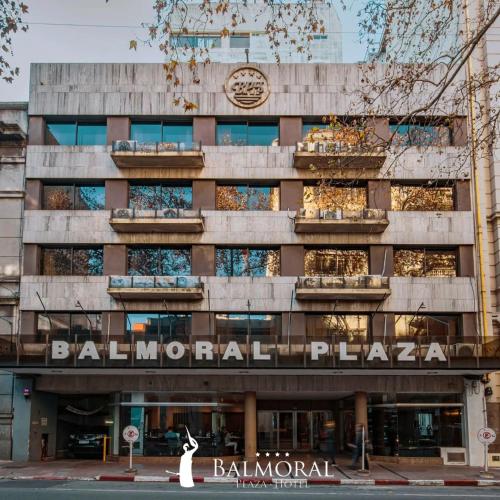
x=55, y=490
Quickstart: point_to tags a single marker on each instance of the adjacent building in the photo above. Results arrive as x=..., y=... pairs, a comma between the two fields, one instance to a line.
x=243, y=267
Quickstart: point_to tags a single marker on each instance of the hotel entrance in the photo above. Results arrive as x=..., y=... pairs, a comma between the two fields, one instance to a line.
x=295, y=430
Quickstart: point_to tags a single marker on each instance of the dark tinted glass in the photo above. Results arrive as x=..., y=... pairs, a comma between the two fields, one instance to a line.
x=90, y=134
x=154, y=324
x=247, y=262
x=87, y=261
x=143, y=262
x=244, y=324
x=61, y=133
x=56, y=261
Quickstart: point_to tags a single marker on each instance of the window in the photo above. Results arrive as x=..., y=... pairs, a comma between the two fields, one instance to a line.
x=336, y=262
x=69, y=324
x=421, y=198
x=308, y=126
x=76, y=133
x=196, y=42
x=425, y=262
x=247, y=262
x=333, y=197
x=421, y=135
x=247, y=134
x=239, y=41
x=247, y=324
x=347, y=325
x=180, y=132
x=156, y=261
x=411, y=325
x=72, y=261
x=247, y=198
x=73, y=197
x=156, y=324
x=160, y=196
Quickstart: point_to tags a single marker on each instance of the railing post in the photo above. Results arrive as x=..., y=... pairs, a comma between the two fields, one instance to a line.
x=46, y=349
x=75, y=347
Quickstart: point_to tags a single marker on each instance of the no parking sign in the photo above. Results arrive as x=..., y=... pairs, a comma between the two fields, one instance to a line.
x=486, y=435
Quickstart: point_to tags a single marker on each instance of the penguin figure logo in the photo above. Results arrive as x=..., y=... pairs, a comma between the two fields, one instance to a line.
x=186, y=468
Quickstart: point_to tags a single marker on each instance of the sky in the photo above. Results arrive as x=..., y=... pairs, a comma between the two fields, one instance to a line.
x=65, y=31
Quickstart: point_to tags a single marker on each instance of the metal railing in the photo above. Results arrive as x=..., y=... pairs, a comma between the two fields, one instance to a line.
x=164, y=213
x=333, y=147
x=375, y=214
x=298, y=351
x=155, y=282
x=335, y=282
x=154, y=147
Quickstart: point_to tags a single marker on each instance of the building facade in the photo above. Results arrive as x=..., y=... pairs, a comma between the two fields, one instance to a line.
x=195, y=269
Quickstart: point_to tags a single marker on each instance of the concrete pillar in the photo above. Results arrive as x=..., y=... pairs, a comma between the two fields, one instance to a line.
x=114, y=323
x=250, y=425
x=202, y=323
x=32, y=259
x=474, y=419
x=115, y=260
x=361, y=408
x=381, y=260
x=297, y=324
x=465, y=261
x=379, y=195
x=291, y=195
x=204, y=130
x=292, y=260
x=29, y=322
x=33, y=194
x=378, y=132
x=204, y=195
x=462, y=195
x=22, y=421
x=203, y=260
x=459, y=131
x=383, y=324
x=290, y=130
x=36, y=131
x=118, y=129
x=116, y=193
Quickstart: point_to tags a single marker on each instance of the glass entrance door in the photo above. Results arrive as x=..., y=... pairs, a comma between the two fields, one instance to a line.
x=287, y=428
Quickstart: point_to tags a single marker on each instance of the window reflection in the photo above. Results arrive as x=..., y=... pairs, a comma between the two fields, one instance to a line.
x=247, y=198
x=156, y=324
x=72, y=261
x=196, y=42
x=247, y=324
x=336, y=262
x=247, y=262
x=347, y=325
x=162, y=132
x=425, y=262
x=309, y=126
x=247, y=134
x=74, y=197
x=421, y=198
x=156, y=261
x=76, y=133
x=160, y=196
x=69, y=324
x=411, y=325
x=333, y=197
x=421, y=135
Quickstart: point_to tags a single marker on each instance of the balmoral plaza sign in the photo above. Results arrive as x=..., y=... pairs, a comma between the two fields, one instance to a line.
x=205, y=350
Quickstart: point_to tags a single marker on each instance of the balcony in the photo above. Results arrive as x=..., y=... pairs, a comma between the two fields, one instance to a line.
x=359, y=288
x=369, y=220
x=169, y=220
x=155, y=287
x=335, y=154
x=134, y=154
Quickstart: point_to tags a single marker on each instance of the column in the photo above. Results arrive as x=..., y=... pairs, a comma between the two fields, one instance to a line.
x=115, y=260
x=474, y=419
x=361, y=408
x=118, y=129
x=250, y=425
x=116, y=193
x=290, y=130
x=291, y=195
x=204, y=194
x=36, y=131
x=204, y=130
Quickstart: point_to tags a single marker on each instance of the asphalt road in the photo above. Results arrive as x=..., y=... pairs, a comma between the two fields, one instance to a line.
x=79, y=490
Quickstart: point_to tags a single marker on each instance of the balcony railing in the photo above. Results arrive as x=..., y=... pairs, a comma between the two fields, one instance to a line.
x=168, y=220
x=369, y=287
x=156, y=287
x=368, y=220
x=335, y=351
x=129, y=154
x=337, y=154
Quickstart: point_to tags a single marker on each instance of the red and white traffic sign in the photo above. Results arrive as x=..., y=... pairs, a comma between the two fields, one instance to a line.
x=486, y=435
x=131, y=433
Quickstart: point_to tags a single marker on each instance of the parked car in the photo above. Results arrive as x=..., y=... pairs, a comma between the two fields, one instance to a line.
x=85, y=445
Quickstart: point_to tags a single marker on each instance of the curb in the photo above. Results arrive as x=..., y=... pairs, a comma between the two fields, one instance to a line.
x=267, y=480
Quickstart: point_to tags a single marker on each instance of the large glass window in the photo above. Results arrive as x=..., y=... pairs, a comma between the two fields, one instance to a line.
x=239, y=41
x=336, y=262
x=411, y=325
x=247, y=262
x=425, y=262
x=156, y=324
x=421, y=135
x=74, y=197
x=157, y=261
x=197, y=41
x=421, y=198
x=69, y=323
x=247, y=324
x=247, y=198
x=160, y=196
x=178, y=132
x=333, y=197
x=247, y=134
x=346, y=325
x=313, y=126
x=72, y=261
x=76, y=133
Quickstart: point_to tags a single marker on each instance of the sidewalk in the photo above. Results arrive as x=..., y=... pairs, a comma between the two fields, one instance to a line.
x=380, y=473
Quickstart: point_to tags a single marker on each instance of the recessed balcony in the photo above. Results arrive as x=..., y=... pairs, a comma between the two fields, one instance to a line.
x=358, y=288
x=335, y=154
x=134, y=154
x=169, y=220
x=155, y=287
x=368, y=220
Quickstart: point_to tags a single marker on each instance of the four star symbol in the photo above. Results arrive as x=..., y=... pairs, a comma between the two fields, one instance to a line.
x=277, y=454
